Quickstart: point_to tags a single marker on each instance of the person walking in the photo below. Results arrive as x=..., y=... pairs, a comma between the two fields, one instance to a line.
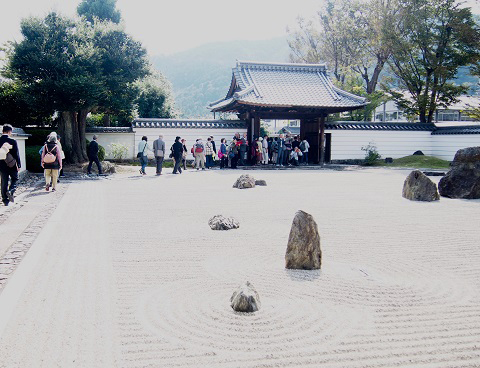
x=222, y=154
x=304, y=146
x=143, y=149
x=92, y=154
x=60, y=175
x=9, y=166
x=177, y=151
x=243, y=150
x=199, y=153
x=209, y=153
x=184, y=154
x=159, y=152
x=51, y=162
x=265, y=150
x=281, y=150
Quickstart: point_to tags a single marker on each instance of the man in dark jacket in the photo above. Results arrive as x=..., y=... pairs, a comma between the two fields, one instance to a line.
x=9, y=172
x=93, y=156
x=177, y=151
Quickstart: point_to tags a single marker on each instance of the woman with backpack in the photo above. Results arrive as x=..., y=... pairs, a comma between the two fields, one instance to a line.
x=51, y=161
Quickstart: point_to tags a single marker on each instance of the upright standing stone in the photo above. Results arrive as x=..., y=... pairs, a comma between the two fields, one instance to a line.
x=463, y=179
x=245, y=299
x=419, y=187
x=303, y=249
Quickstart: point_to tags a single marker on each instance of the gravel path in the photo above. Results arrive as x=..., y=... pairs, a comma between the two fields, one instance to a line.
x=127, y=273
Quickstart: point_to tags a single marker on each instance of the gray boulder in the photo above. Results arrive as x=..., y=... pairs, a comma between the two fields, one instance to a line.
x=245, y=299
x=419, y=187
x=261, y=183
x=220, y=222
x=107, y=167
x=463, y=179
x=244, y=182
x=303, y=249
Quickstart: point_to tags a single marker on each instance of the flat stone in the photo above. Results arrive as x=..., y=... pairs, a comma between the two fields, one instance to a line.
x=303, y=249
x=261, y=183
x=245, y=299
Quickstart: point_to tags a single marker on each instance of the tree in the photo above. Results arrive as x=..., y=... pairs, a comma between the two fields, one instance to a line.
x=155, y=97
x=349, y=37
x=76, y=67
x=433, y=39
x=103, y=10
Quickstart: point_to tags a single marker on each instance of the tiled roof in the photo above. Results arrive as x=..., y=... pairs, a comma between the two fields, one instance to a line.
x=466, y=129
x=188, y=123
x=361, y=125
x=285, y=85
x=109, y=130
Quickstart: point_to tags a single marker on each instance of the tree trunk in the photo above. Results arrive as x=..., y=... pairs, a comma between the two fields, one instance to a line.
x=82, y=125
x=372, y=83
x=73, y=136
x=106, y=120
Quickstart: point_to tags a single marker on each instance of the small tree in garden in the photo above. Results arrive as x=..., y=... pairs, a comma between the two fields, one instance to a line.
x=118, y=151
x=371, y=154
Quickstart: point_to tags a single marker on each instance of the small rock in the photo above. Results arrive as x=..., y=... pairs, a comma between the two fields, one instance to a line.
x=261, y=183
x=388, y=160
x=245, y=299
x=244, y=182
x=303, y=249
x=418, y=153
x=418, y=187
x=220, y=222
x=107, y=167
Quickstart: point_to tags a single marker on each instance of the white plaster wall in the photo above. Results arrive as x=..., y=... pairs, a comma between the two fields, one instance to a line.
x=106, y=139
x=189, y=134
x=21, y=149
x=347, y=144
x=445, y=146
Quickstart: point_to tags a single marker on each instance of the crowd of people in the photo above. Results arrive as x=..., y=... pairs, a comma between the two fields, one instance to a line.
x=284, y=150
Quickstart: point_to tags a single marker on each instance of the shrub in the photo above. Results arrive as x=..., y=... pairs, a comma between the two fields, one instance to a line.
x=33, y=159
x=371, y=154
x=118, y=151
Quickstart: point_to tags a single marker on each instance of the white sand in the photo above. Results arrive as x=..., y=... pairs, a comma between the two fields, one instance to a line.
x=130, y=275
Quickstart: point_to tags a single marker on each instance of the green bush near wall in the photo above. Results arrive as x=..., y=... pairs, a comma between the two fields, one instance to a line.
x=33, y=159
x=38, y=136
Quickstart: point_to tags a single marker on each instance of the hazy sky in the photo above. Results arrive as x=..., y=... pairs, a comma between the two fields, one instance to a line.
x=176, y=25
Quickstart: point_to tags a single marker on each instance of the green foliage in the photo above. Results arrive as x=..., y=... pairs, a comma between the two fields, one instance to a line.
x=118, y=151
x=73, y=67
x=38, y=136
x=99, y=10
x=155, y=98
x=418, y=162
x=371, y=154
x=433, y=40
x=33, y=159
x=101, y=153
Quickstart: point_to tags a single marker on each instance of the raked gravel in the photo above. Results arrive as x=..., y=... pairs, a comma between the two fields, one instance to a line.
x=127, y=273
